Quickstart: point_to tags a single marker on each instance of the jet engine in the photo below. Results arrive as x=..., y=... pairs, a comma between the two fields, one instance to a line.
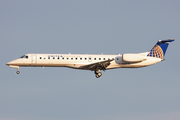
x=133, y=57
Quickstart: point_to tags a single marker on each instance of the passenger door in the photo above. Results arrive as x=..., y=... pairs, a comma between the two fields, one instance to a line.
x=33, y=59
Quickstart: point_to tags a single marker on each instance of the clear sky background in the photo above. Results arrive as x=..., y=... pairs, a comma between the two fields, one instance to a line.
x=89, y=27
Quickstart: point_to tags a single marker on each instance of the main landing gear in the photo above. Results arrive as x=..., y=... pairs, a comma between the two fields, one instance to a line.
x=97, y=73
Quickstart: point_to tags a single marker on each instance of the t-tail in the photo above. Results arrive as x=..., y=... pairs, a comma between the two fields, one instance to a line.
x=159, y=50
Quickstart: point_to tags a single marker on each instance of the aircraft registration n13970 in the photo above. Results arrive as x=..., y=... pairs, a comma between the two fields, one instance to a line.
x=92, y=62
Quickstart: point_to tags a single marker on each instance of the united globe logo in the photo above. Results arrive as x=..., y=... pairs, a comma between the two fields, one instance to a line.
x=156, y=52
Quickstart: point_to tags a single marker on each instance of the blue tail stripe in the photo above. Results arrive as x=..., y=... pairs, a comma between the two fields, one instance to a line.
x=164, y=47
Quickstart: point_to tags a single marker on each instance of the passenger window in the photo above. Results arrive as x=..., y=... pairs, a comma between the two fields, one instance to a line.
x=53, y=57
x=85, y=58
x=76, y=58
x=104, y=58
x=48, y=57
x=71, y=58
x=26, y=57
x=94, y=58
x=40, y=58
x=99, y=58
x=89, y=58
x=67, y=58
x=63, y=58
x=80, y=58
x=58, y=58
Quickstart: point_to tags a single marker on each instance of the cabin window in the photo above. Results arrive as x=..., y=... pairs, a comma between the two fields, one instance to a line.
x=58, y=58
x=44, y=58
x=94, y=58
x=76, y=58
x=80, y=58
x=71, y=58
x=63, y=58
x=53, y=57
x=104, y=58
x=85, y=58
x=99, y=58
x=67, y=58
x=48, y=57
x=26, y=57
x=40, y=58
x=89, y=58
x=117, y=58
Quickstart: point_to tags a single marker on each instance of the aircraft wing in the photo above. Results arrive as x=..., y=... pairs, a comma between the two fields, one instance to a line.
x=102, y=65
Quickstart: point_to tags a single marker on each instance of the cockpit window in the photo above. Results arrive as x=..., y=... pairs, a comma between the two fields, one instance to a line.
x=22, y=56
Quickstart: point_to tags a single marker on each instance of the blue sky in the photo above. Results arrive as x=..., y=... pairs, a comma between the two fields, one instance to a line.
x=89, y=27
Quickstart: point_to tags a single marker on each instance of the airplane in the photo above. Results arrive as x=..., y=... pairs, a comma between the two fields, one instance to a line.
x=94, y=62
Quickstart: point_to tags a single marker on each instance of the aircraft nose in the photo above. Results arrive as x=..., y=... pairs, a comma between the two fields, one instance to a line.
x=9, y=63
x=12, y=62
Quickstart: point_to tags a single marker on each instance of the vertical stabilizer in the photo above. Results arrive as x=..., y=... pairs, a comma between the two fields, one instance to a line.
x=160, y=48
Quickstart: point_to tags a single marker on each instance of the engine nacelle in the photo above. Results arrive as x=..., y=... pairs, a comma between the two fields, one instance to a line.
x=133, y=57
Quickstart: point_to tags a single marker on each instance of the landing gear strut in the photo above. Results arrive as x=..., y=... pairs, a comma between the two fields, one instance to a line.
x=18, y=70
x=97, y=73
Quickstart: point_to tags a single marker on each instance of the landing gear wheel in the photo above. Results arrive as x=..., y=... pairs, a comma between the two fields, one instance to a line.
x=97, y=72
x=97, y=75
x=18, y=72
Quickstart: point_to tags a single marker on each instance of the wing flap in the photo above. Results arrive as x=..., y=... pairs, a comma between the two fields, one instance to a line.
x=103, y=65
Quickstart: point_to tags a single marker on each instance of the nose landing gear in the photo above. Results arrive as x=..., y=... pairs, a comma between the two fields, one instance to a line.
x=18, y=70
x=13, y=66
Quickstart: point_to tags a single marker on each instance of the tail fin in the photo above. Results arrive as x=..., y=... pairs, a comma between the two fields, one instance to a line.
x=160, y=48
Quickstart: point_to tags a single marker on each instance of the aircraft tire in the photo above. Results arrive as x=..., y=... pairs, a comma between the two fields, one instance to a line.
x=18, y=72
x=97, y=76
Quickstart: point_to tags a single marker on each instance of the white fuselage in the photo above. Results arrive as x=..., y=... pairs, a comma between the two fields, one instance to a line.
x=93, y=62
x=78, y=60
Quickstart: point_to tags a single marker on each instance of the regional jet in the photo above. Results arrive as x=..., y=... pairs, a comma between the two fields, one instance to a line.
x=94, y=62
